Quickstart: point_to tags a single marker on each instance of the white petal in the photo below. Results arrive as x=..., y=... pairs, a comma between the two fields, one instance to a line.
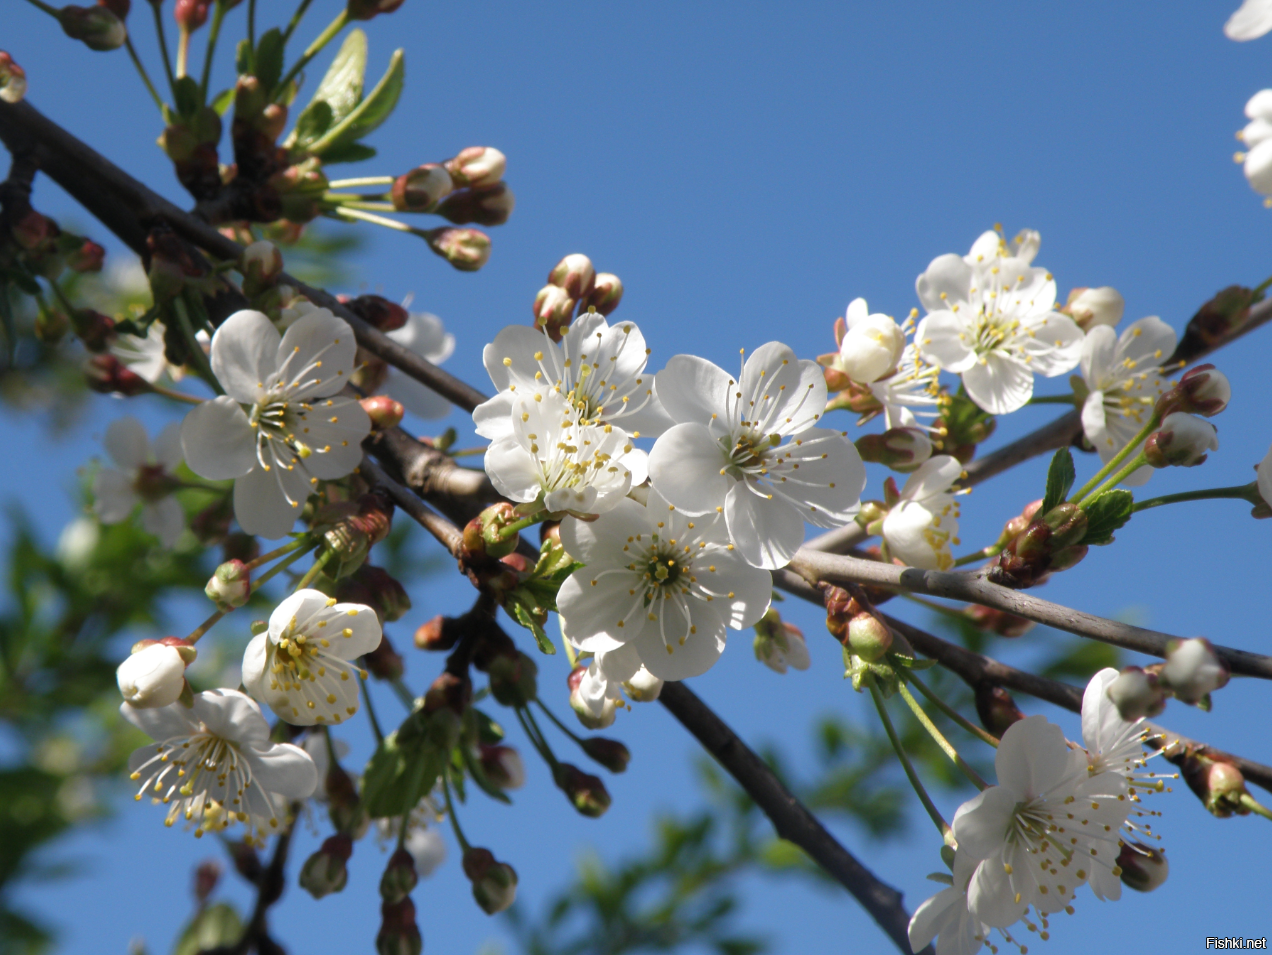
x=987, y=246
x=127, y=444
x=493, y=417
x=946, y=273
x=316, y=355
x=425, y=335
x=1264, y=477
x=253, y=669
x=113, y=496
x=587, y=541
x=696, y=655
x=512, y=470
x=1251, y=20
x=334, y=430
x=590, y=613
x=766, y=531
x=930, y=917
x=1146, y=343
x=1100, y=718
x=692, y=389
x=167, y=447
x=913, y=537
x=217, y=440
x=427, y=848
x=284, y=769
x=231, y=715
x=1000, y=384
x=1097, y=355
x=1258, y=167
x=751, y=590
x=510, y=360
x=1056, y=347
x=165, y=722
x=243, y=355
x=1094, y=425
x=991, y=894
x=261, y=505
x=941, y=338
x=165, y=519
x=353, y=629
x=416, y=397
x=934, y=476
x=1031, y=758
x=832, y=475
x=685, y=466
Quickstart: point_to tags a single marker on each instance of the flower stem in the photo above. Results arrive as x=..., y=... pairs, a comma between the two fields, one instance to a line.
x=361, y=181
x=176, y=395
x=450, y=811
x=375, y=723
x=214, y=31
x=183, y=51
x=1051, y=400
x=559, y=725
x=1117, y=459
x=1256, y=807
x=278, y=552
x=312, y=573
x=251, y=33
x=343, y=212
x=926, y=721
x=468, y=452
x=197, y=356
x=1245, y=492
x=145, y=77
x=952, y=713
x=1139, y=461
x=163, y=50
x=535, y=736
x=296, y=18
x=325, y=37
x=40, y=5
x=403, y=693
x=946, y=832
x=208, y=624
x=509, y=531
x=993, y=550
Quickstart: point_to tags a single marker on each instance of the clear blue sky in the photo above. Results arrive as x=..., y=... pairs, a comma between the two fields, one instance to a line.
x=747, y=169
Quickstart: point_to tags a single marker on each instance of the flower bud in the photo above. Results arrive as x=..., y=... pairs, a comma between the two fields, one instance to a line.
x=1017, y=524
x=367, y=9
x=494, y=883
x=206, y=876
x=503, y=766
x=1089, y=307
x=427, y=849
x=552, y=310
x=778, y=644
x=246, y=862
x=575, y=274
x=1203, y=390
x=902, y=449
x=592, y=713
x=377, y=310
x=399, y=877
x=377, y=589
x=607, y=292
x=384, y=663
x=230, y=586
x=1001, y=622
x=261, y=265
x=489, y=206
x=121, y=7
x=449, y=692
x=491, y=522
x=440, y=633
x=643, y=687
x=13, y=84
x=152, y=676
x=1143, y=867
x=1215, y=322
x=51, y=325
x=477, y=166
x=108, y=375
x=514, y=679
x=586, y=792
x=1193, y=669
x=1068, y=524
x=191, y=14
x=324, y=872
x=384, y=412
x=610, y=753
x=871, y=348
x=869, y=637
x=1137, y=693
x=399, y=934
x=421, y=188
x=84, y=255
x=1219, y=785
x=465, y=249
x=996, y=709
x=96, y=27
x=1182, y=442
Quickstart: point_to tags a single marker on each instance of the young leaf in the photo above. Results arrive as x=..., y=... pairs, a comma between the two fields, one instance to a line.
x=1060, y=478
x=243, y=58
x=1106, y=514
x=221, y=102
x=186, y=92
x=349, y=152
x=397, y=773
x=214, y=927
x=371, y=112
x=312, y=123
x=269, y=59
x=341, y=88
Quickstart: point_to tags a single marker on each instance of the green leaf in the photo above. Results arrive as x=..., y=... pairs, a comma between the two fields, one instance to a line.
x=371, y=112
x=522, y=615
x=215, y=926
x=1107, y=513
x=350, y=152
x=312, y=123
x=1060, y=477
x=391, y=783
x=243, y=58
x=186, y=92
x=221, y=102
x=269, y=59
x=341, y=88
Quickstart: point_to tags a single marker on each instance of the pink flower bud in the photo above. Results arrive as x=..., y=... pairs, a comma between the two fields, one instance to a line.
x=1183, y=441
x=152, y=676
x=377, y=310
x=421, y=188
x=1193, y=669
x=121, y=7
x=230, y=586
x=206, y=876
x=13, y=84
x=191, y=14
x=325, y=872
x=503, y=766
x=490, y=205
x=553, y=308
x=465, y=249
x=779, y=644
x=586, y=792
x=94, y=329
x=1203, y=390
x=1137, y=694
x=399, y=934
x=494, y=883
x=477, y=166
x=902, y=449
x=87, y=256
x=575, y=274
x=399, y=877
x=96, y=27
x=262, y=263
x=436, y=635
x=996, y=709
x=384, y=412
x=106, y=374
x=1143, y=867
x=607, y=292
x=1089, y=307
x=514, y=679
x=593, y=712
x=367, y=9
x=868, y=637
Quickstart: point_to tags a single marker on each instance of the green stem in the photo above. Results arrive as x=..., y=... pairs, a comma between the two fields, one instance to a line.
x=1256, y=807
x=946, y=832
x=145, y=77
x=450, y=811
x=1117, y=459
x=509, y=531
x=279, y=552
x=375, y=723
x=183, y=51
x=251, y=33
x=952, y=713
x=1261, y=287
x=1139, y=461
x=163, y=50
x=40, y=5
x=1051, y=400
x=199, y=359
x=218, y=14
x=352, y=203
x=177, y=395
x=468, y=452
x=946, y=746
x=535, y=735
x=361, y=181
x=197, y=633
x=312, y=573
x=282, y=565
x=993, y=550
x=296, y=18
x=325, y=37
x=403, y=693
x=1244, y=492
x=559, y=725
x=343, y=212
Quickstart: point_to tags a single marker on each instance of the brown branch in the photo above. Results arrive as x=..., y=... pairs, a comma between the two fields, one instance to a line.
x=446, y=533
x=837, y=569
x=130, y=209
x=459, y=493
x=789, y=816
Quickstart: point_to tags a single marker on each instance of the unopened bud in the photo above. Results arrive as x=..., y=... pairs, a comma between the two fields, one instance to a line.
x=996, y=709
x=399, y=934
x=121, y=7
x=421, y=188
x=246, y=862
x=206, y=876
x=261, y=264
x=477, y=166
x=1068, y=524
x=491, y=205
x=1183, y=441
x=610, y=753
x=1203, y=390
x=871, y=347
x=191, y=14
x=1001, y=622
x=51, y=325
x=1137, y=694
x=465, y=249
x=96, y=27
x=594, y=711
x=606, y=294
x=586, y=792
x=384, y=412
x=376, y=588
x=377, y=310
x=553, y=307
x=86, y=255
x=514, y=680
x=230, y=586
x=385, y=663
x=643, y=687
x=1144, y=868
x=325, y=872
x=491, y=524
x=153, y=675
x=1219, y=785
x=902, y=449
x=575, y=274
x=440, y=633
x=1018, y=523
x=1089, y=307
x=13, y=84
x=503, y=766
x=778, y=644
x=1193, y=669
x=494, y=883
x=367, y=9
x=449, y=692
x=108, y=375
x=344, y=805
x=869, y=637
x=399, y=877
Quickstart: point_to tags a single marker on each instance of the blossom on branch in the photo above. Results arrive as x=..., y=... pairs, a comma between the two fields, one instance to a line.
x=275, y=430
x=144, y=476
x=425, y=335
x=946, y=917
x=921, y=526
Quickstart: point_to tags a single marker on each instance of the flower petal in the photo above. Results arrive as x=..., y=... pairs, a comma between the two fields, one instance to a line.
x=669, y=659
x=167, y=447
x=261, y=500
x=999, y=384
x=686, y=466
x=1251, y=20
x=1032, y=757
x=165, y=519
x=586, y=541
x=1097, y=355
x=425, y=335
x=316, y=355
x=113, y=496
x=217, y=440
x=942, y=339
x=591, y=612
x=334, y=430
x=1056, y=345
x=243, y=355
x=493, y=417
x=127, y=444
x=767, y=531
x=692, y=389
x=947, y=274
x=283, y=768
x=231, y=715
x=161, y=723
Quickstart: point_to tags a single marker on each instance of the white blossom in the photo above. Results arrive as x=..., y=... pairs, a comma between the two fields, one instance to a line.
x=920, y=527
x=1250, y=21
x=994, y=324
x=1257, y=137
x=992, y=245
x=146, y=357
x=658, y=582
x=425, y=335
x=1124, y=377
x=911, y=387
x=1193, y=669
x=1183, y=440
x=872, y=345
x=1263, y=479
x=152, y=676
x=144, y=476
x=749, y=449
x=1092, y=307
x=214, y=764
x=275, y=430
x=427, y=849
x=946, y=917
x=300, y=666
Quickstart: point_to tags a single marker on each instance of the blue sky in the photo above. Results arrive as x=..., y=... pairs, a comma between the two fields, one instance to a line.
x=747, y=169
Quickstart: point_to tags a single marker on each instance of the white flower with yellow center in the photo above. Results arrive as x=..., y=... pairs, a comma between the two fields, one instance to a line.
x=144, y=475
x=910, y=391
x=300, y=666
x=871, y=346
x=946, y=918
x=659, y=587
x=1124, y=375
x=994, y=324
x=921, y=526
x=213, y=764
x=275, y=430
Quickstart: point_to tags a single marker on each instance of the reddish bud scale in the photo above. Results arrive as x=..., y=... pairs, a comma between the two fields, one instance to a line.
x=398, y=935
x=489, y=206
x=440, y=633
x=574, y=274
x=586, y=792
x=996, y=709
x=494, y=883
x=451, y=692
x=191, y=14
x=13, y=83
x=86, y=256
x=367, y=9
x=206, y=877
x=96, y=27
x=606, y=294
x=107, y=375
x=610, y=753
x=377, y=310
x=399, y=878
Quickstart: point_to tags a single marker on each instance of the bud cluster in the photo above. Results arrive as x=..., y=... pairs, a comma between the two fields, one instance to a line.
x=1047, y=544
x=872, y=650
x=574, y=287
x=778, y=644
x=1191, y=672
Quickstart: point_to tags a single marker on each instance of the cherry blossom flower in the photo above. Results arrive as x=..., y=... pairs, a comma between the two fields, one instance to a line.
x=1250, y=21
x=299, y=667
x=152, y=676
x=749, y=449
x=1042, y=830
x=1263, y=477
x=144, y=476
x=1193, y=669
x=994, y=324
x=1123, y=375
x=551, y=460
x=946, y=917
x=872, y=345
x=425, y=335
x=427, y=849
x=275, y=430
x=992, y=244
x=146, y=356
x=911, y=387
x=921, y=526
x=1257, y=137
x=214, y=764
x=658, y=582
x=1092, y=307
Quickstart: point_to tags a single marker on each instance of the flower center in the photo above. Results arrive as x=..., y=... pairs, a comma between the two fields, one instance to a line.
x=277, y=419
x=665, y=571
